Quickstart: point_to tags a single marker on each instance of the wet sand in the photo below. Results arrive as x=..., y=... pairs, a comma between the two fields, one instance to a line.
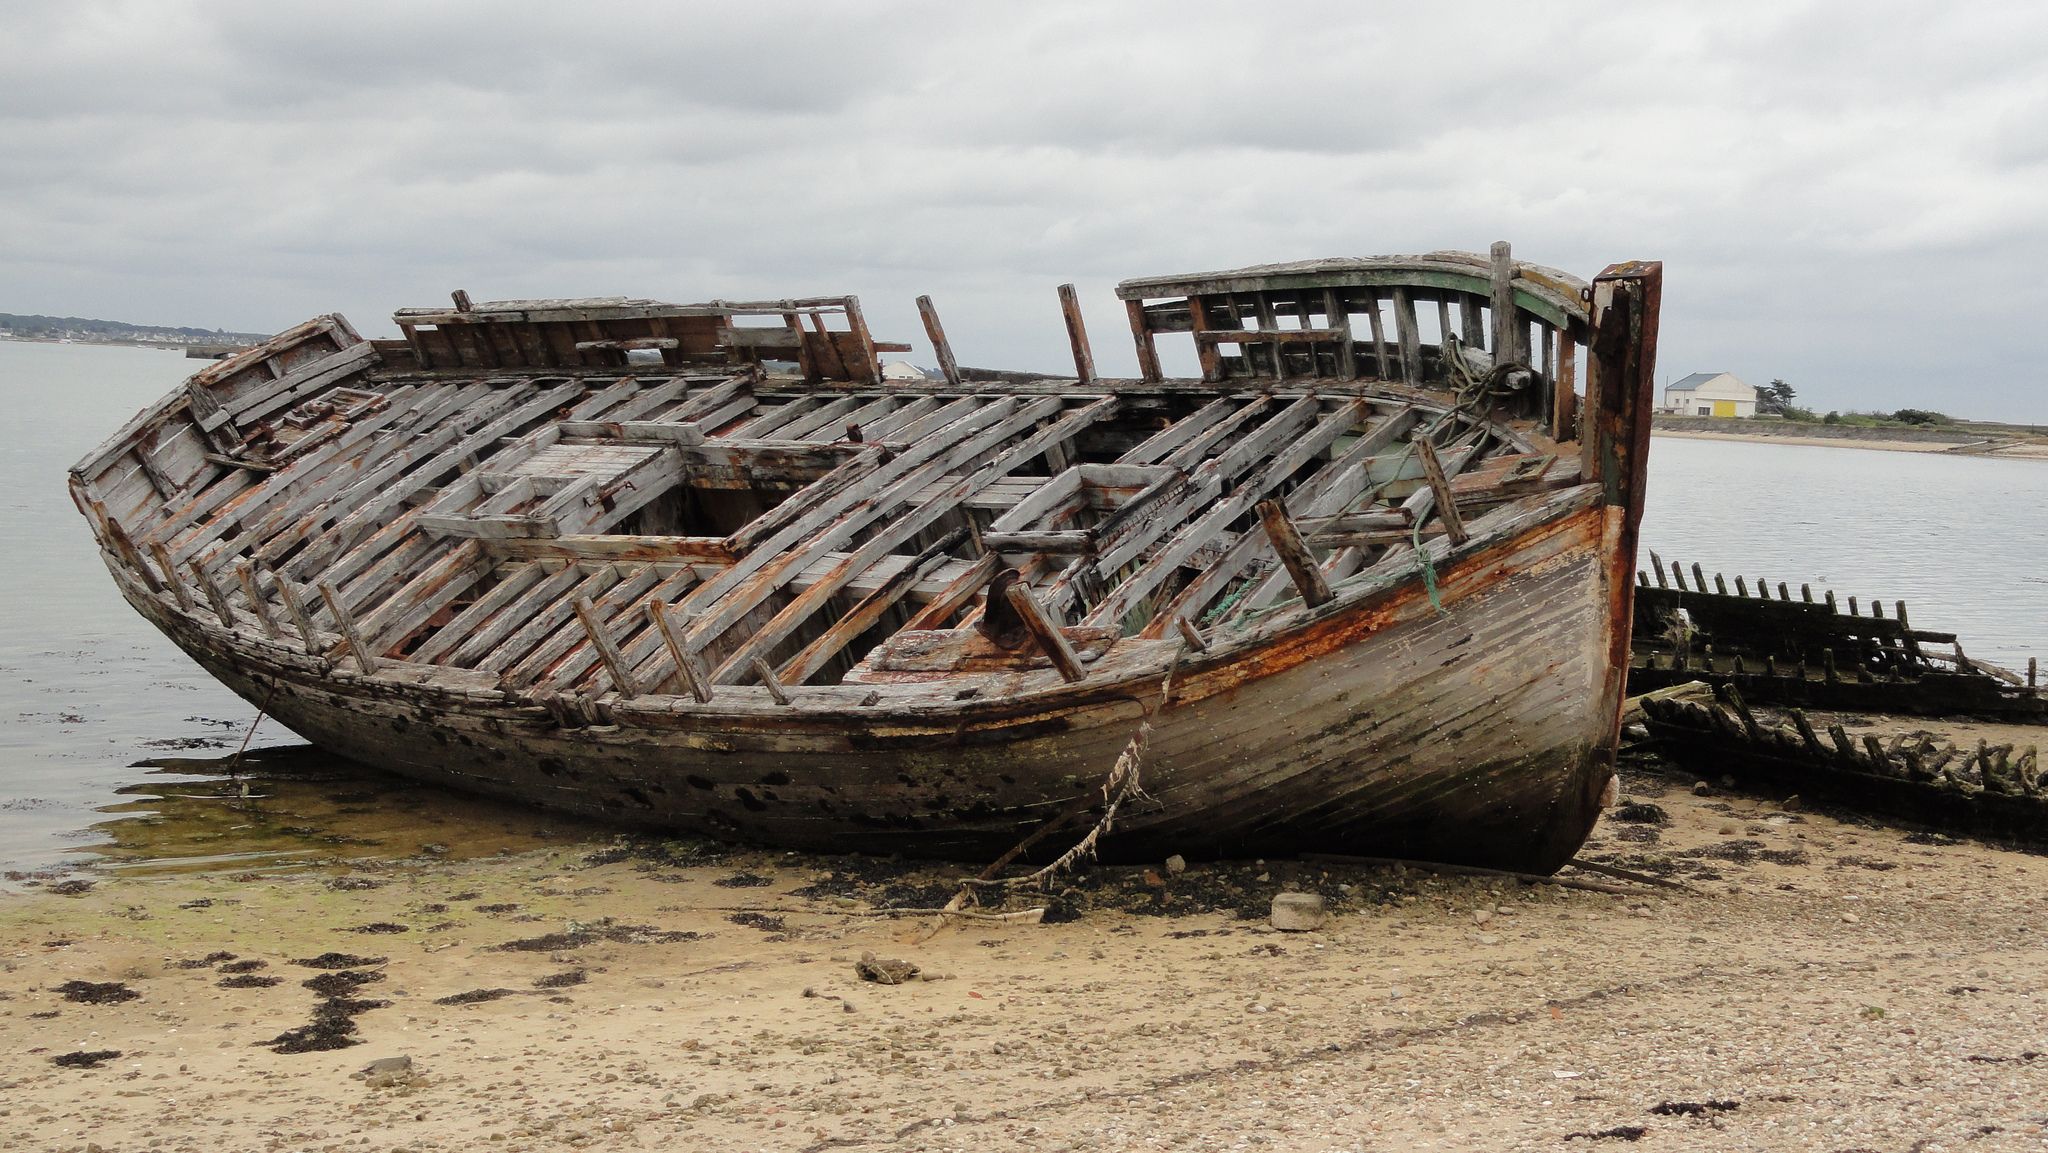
x=1821, y=984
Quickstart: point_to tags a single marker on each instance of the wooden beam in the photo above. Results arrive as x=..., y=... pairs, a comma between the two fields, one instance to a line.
x=214, y=596
x=1300, y=562
x=687, y=670
x=171, y=577
x=1046, y=633
x=365, y=659
x=941, y=347
x=1506, y=331
x=1077, y=335
x=766, y=676
x=1141, y=334
x=622, y=677
x=245, y=574
x=295, y=607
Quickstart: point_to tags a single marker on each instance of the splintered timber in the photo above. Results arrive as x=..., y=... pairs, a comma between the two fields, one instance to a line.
x=1368, y=579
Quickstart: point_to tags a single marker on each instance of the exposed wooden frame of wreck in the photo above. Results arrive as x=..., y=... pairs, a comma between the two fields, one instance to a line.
x=1930, y=772
x=1796, y=648
x=698, y=567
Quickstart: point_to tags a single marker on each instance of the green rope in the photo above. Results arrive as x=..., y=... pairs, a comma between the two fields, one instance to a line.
x=1428, y=572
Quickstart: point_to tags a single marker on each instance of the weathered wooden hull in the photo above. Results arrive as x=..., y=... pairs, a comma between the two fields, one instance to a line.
x=1474, y=734
x=1364, y=594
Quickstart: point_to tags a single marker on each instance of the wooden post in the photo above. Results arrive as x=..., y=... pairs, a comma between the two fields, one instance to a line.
x=462, y=301
x=1699, y=578
x=871, y=365
x=171, y=577
x=1300, y=562
x=1564, y=417
x=767, y=677
x=245, y=574
x=1446, y=503
x=1077, y=335
x=1657, y=565
x=942, y=348
x=1193, y=636
x=1141, y=334
x=614, y=664
x=1046, y=633
x=1205, y=352
x=687, y=671
x=214, y=596
x=1614, y=447
x=2031, y=683
x=1506, y=346
x=296, y=609
x=365, y=659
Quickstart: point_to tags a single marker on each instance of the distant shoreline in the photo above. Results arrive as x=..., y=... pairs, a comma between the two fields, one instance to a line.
x=1993, y=447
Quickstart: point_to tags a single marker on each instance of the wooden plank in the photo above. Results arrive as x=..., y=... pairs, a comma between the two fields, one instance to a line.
x=766, y=676
x=1178, y=432
x=867, y=613
x=499, y=628
x=958, y=593
x=214, y=596
x=448, y=636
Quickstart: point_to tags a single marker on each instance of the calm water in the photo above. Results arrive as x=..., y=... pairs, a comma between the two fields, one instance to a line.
x=91, y=691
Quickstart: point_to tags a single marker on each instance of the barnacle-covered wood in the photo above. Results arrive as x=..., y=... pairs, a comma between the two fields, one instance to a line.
x=700, y=567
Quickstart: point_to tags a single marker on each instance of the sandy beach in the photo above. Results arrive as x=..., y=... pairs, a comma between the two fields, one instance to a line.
x=1818, y=984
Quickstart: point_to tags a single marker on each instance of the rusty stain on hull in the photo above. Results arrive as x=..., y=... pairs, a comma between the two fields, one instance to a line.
x=702, y=567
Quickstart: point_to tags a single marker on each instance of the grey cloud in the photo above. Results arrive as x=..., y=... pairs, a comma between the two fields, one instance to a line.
x=1847, y=196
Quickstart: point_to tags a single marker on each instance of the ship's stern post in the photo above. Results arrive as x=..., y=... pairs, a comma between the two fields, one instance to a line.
x=1614, y=441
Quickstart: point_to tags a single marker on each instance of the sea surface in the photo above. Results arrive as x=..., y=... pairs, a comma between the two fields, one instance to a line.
x=115, y=745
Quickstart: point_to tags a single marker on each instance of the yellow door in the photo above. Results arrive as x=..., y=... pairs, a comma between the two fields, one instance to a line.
x=1724, y=408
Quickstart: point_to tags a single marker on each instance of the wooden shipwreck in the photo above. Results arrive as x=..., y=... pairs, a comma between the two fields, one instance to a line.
x=1368, y=578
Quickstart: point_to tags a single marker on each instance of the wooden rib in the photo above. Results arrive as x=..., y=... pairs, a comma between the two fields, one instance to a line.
x=536, y=624
x=1178, y=433
x=448, y=637
x=958, y=593
x=214, y=596
x=539, y=666
x=1125, y=597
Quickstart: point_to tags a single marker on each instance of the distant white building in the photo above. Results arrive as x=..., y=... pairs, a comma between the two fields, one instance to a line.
x=902, y=370
x=1710, y=394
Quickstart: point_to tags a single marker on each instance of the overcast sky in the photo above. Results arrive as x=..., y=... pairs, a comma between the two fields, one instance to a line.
x=1852, y=196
